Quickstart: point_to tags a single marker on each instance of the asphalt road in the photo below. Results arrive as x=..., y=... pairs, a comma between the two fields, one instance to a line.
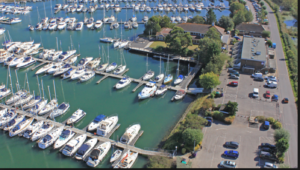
x=289, y=111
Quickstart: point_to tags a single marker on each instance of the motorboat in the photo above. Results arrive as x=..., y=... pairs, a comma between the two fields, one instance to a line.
x=39, y=106
x=46, y=127
x=87, y=75
x=78, y=73
x=96, y=122
x=126, y=25
x=120, y=69
x=118, y=9
x=57, y=6
x=84, y=61
x=73, y=145
x=45, y=53
x=44, y=68
x=135, y=24
x=32, y=102
x=38, y=26
x=2, y=30
x=62, y=70
x=127, y=160
x=94, y=63
x=130, y=134
x=71, y=60
x=85, y=148
x=148, y=9
x=10, y=115
x=148, y=75
x=159, y=78
x=24, y=99
x=49, y=107
x=123, y=82
x=16, y=61
x=185, y=18
x=28, y=61
x=97, y=154
x=61, y=25
x=178, y=80
x=54, y=56
x=148, y=90
x=160, y=7
x=76, y=116
x=31, y=129
x=67, y=20
x=50, y=138
x=178, y=18
x=15, y=20
x=106, y=126
x=168, y=79
x=55, y=67
x=98, y=24
x=12, y=123
x=4, y=92
x=111, y=67
x=117, y=43
x=179, y=94
x=90, y=24
x=31, y=48
x=133, y=18
x=69, y=73
x=16, y=97
x=115, y=155
x=52, y=26
x=79, y=8
x=64, y=137
x=107, y=40
x=79, y=26
x=71, y=25
x=65, y=55
x=61, y=109
x=3, y=112
x=161, y=90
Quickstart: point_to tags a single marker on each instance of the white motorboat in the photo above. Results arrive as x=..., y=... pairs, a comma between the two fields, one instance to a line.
x=178, y=18
x=127, y=160
x=85, y=148
x=179, y=94
x=98, y=154
x=98, y=24
x=78, y=73
x=61, y=109
x=38, y=26
x=31, y=129
x=95, y=123
x=178, y=80
x=173, y=18
x=64, y=137
x=161, y=90
x=185, y=18
x=45, y=26
x=111, y=67
x=10, y=115
x=39, y=106
x=3, y=112
x=71, y=60
x=117, y=43
x=135, y=24
x=69, y=73
x=46, y=127
x=49, y=107
x=79, y=8
x=28, y=61
x=123, y=82
x=24, y=99
x=148, y=90
x=16, y=61
x=84, y=61
x=32, y=102
x=12, y=123
x=73, y=145
x=65, y=55
x=159, y=78
x=76, y=116
x=130, y=134
x=79, y=26
x=62, y=25
x=52, y=26
x=133, y=18
x=50, y=138
x=2, y=30
x=87, y=76
x=44, y=68
x=90, y=24
x=94, y=63
x=123, y=43
x=57, y=6
x=15, y=20
x=55, y=67
x=62, y=70
x=107, y=125
x=160, y=7
x=54, y=56
x=148, y=75
x=115, y=155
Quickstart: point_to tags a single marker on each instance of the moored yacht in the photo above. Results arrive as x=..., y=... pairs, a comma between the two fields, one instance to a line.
x=73, y=145
x=178, y=80
x=161, y=90
x=98, y=154
x=79, y=26
x=44, y=68
x=87, y=76
x=148, y=75
x=12, y=123
x=111, y=67
x=84, y=61
x=127, y=160
x=50, y=138
x=64, y=137
x=31, y=129
x=98, y=24
x=39, y=106
x=10, y=115
x=15, y=97
x=78, y=73
x=46, y=127
x=130, y=134
x=115, y=155
x=24, y=99
x=61, y=109
x=32, y=102
x=179, y=94
x=55, y=67
x=69, y=73
x=107, y=125
x=148, y=90
x=62, y=70
x=168, y=78
x=65, y=55
x=26, y=62
x=85, y=148
x=96, y=122
x=49, y=107
x=94, y=63
x=123, y=82
x=76, y=116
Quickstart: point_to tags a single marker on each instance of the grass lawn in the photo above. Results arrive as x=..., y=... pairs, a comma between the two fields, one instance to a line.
x=161, y=43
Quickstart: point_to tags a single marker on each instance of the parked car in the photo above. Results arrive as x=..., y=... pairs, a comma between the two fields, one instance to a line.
x=259, y=79
x=228, y=164
x=231, y=144
x=285, y=100
x=255, y=92
x=257, y=75
x=269, y=165
x=209, y=120
x=235, y=73
x=267, y=125
x=268, y=145
x=267, y=94
x=267, y=155
x=233, y=83
x=271, y=84
x=231, y=70
x=267, y=149
x=237, y=38
x=231, y=153
x=274, y=98
x=234, y=77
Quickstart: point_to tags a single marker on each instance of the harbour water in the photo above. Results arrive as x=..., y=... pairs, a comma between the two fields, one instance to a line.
x=156, y=115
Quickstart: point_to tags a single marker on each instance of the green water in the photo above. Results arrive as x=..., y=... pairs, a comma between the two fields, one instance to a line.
x=156, y=115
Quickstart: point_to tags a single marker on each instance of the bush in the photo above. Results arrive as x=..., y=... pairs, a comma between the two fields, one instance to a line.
x=190, y=53
x=183, y=150
x=281, y=133
x=208, y=113
x=159, y=162
x=213, y=94
x=191, y=135
x=218, y=115
x=159, y=48
x=282, y=145
x=229, y=119
x=265, y=34
x=271, y=120
x=281, y=159
x=262, y=3
x=264, y=7
x=261, y=119
x=277, y=125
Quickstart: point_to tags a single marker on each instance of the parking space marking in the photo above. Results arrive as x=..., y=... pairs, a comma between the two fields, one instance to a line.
x=213, y=155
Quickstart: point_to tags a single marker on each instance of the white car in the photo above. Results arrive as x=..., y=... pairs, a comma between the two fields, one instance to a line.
x=269, y=165
x=255, y=92
x=271, y=78
x=228, y=164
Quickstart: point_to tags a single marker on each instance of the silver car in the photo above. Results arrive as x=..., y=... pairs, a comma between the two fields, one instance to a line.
x=269, y=165
x=228, y=164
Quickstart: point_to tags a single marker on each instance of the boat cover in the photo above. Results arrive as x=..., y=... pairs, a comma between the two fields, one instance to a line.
x=65, y=134
x=94, y=154
x=66, y=66
x=180, y=77
x=81, y=151
x=64, y=53
x=162, y=87
x=113, y=64
x=99, y=118
x=37, y=98
x=62, y=106
x=47, y=138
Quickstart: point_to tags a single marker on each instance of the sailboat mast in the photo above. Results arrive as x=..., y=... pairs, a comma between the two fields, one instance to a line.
x=160, y=65
x=56, y=44
x=107, y=55
x=43, y=90
x=178, y=68
x=18, y=85
x=54, y=89
x=37, y=78
x=12, y=89
x=27, y=83
x=147, y=63
x=49, y=93
x=44, y=9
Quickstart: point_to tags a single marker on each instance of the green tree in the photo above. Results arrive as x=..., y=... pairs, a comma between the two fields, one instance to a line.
x=209, y=80
x=226, y=22
x=243, y=2
x=281, y=133
x=152, y=26
x=193, y=121
x=239, y=17
x=231, y=108
x=276, y=8
x=265, y=34
x=178, y=40
x=165, y=21
x=213, y=33
x=235, y=7
x=211, y=16
x=210, y=67
x=208, y=48
x=264, y=7
x=190, y=136
x=159, y=162
x=269, y=43
x=248, y=16
x=282, y=145
x=197, y=19
x=262, y=3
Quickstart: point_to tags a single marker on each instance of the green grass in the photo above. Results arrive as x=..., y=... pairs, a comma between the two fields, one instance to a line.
x=163, y=44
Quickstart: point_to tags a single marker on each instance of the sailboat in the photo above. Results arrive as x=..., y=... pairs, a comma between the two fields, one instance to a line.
x=169, y=77
x=161, y=76
x=112, y=66
x=51, y=105
x=149, y=74
x=121, y=68
x=105, y=39
x=39, y=25
x=179, y=77
x=104, y=65
x=39, y=106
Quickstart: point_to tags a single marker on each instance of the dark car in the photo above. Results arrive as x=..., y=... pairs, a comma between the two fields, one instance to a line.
x=209, y=120
x=267, y=155
x=231, y=144
x=267, y=149
x=234, y=77
x=235, y=73
x=259, y=79
x=268, y=145
x=231, y=153
x=275, y=98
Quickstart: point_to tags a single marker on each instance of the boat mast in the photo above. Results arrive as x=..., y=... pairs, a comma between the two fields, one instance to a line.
x=147, y=63
x=49, y=93
x=43, y=90
x=159, y=64
x=44, y=9
x=37, y=78
x=38, y=14
x=178, y=68
x=12, y=89
x=27, y=83
x=103, y=23
x=18, y=85
x=71, y=43
x=107, y=55
x=51, y=8
x=123, y=58
x=54, y=89
x=56, y=44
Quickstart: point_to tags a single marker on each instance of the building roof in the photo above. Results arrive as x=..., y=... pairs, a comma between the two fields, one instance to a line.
x=254, y=49
x=199, y=28
x=250, y=27
x=164, y=32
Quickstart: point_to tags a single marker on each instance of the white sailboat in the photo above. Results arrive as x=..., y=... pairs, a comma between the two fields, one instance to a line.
x=105, y=39
x=161, y=76
x=11, y=124
x=179, y=77
x=46, y=127
x=121, y=68
x=105, y=64
x=149, y=74
x=73, y=145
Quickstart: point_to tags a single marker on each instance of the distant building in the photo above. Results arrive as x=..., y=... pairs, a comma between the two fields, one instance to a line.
x=250, y=29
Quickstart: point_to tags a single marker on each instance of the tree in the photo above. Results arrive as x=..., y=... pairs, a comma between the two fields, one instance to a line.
x=262, y=3
x=210, y=67
x=197, y=19
x=211, y=16
x=159, y=162
x=152, y=26
x=208, y=48
x=209, y=80
x=178, y=40
x=226, y=22
x=239, y=17
x=243, y=2
x=276, y=8
x=248, y=16
x=165, y=21
x=231, y=108
x=264, y=7
x=213, y=33
x=265, y=34
x=191, y=136
x=282, y=145
x=281, y=133
x=193, y=121
x=269, y=43
x=235, y=7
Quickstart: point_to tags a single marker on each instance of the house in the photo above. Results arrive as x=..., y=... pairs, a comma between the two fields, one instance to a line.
x=250, y=29
x=162, y=34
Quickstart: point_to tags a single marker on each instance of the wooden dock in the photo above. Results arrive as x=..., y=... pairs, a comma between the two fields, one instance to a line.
x=104, y=77
x=138, y=86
